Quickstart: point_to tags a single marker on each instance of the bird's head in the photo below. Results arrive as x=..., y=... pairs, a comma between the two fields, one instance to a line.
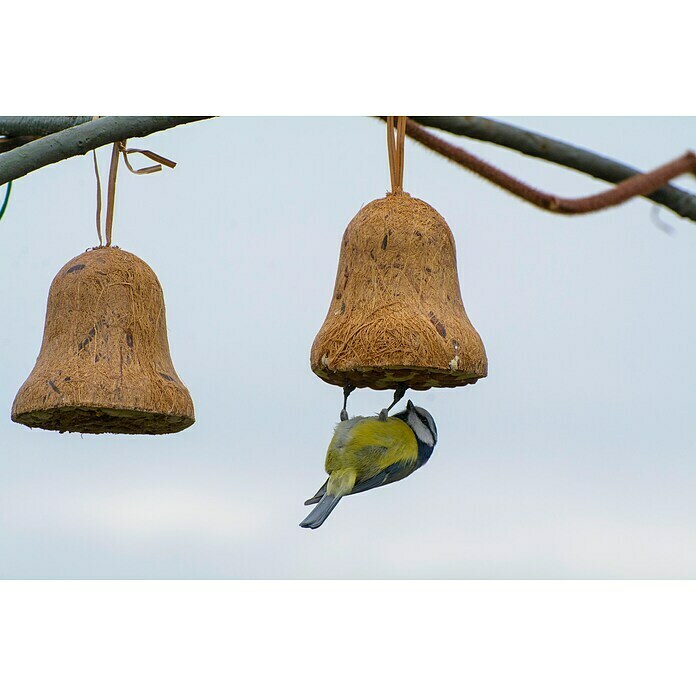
x=423, y=426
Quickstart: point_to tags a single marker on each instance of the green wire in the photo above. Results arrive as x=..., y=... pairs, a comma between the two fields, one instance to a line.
x=7, y=198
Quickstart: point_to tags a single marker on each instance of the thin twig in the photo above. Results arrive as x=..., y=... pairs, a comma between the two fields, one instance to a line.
x=637, y=185
x=536, y=145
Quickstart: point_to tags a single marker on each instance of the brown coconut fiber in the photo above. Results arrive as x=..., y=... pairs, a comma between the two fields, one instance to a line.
x=396, y=316
x=104, y=364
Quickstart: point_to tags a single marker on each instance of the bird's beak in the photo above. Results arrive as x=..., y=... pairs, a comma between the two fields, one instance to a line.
x=410, y=406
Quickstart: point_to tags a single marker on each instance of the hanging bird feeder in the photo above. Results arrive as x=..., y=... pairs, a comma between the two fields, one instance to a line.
x=396, y=318
x=104, y=364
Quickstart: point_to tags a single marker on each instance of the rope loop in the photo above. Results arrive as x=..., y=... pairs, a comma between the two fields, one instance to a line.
x=120, y=148
x=395, y=149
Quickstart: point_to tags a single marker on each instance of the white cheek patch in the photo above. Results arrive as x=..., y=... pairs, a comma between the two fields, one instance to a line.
x=422, y=432
x=433, y=429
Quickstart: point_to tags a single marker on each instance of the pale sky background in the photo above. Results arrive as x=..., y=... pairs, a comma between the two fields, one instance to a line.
x=574, y=458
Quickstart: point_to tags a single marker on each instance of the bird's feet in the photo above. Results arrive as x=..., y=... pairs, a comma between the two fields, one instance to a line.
x=398, y=395
x=347, y=391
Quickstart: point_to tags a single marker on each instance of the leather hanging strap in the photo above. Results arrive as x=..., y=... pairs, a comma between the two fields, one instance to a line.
x=395, y=149
x=118, y=149
x=99, y=193
x=148, y=153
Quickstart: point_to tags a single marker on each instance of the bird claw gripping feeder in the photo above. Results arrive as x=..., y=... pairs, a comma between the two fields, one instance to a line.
x=396, y=318
x=104, y=364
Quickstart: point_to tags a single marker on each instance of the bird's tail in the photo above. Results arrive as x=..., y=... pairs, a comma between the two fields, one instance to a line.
x=318, y=495
x=321, y=512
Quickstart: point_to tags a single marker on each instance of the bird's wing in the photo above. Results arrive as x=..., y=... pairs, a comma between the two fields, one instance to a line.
x=392, y=473
x=369, y=451
x=380, y=451
x=373, y=446
x=318, y=495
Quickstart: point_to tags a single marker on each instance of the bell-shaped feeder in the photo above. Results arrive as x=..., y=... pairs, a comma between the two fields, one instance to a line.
x=104, y=364
x=396, y=316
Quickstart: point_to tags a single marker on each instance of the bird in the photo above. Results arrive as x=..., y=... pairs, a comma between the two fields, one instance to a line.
x=371, y=451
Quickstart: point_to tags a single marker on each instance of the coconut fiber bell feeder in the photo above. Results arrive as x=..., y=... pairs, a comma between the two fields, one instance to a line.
x=396, y=318
x=104, y=364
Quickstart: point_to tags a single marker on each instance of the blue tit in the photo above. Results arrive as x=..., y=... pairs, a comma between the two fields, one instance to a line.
x=366, y=453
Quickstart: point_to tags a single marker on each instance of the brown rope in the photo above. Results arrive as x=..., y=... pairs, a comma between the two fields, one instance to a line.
x=119, y=148
x=390, y=148
x=99, y=193
x=99, y=198
x=400, y=142
x=111, y=192
x=395, y=150
x=638, y=185
x=148, y=153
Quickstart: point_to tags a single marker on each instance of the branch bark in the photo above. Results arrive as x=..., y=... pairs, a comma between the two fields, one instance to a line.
x=535, y=145
x=39, y=125
x=7, y=144
x=72, y=140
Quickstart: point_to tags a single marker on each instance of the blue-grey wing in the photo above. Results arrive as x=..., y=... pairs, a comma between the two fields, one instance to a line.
x=395, y=472
x=369, y=452
x=392, y=473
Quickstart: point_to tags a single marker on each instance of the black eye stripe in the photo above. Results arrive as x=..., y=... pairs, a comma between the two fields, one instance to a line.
x=424, y=420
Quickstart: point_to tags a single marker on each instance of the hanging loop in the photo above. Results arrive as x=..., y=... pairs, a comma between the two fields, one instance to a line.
x=149, y=154
x=119, y=148
x=395, y=149
x=99, y=193
x=111, y=192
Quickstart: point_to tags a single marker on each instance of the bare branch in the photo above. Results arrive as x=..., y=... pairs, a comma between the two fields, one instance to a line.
x=38, y=125
x=535, y=145
x=25, y=151
x=11, y=143
x=81, y=139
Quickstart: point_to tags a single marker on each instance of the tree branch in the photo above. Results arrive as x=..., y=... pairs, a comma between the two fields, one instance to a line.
x=76, y=139
x=12, y=142
x=39, y=125
x=25, y=151
x=535, y=145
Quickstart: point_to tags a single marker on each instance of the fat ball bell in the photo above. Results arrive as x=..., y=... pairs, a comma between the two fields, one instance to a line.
x=104, y=364
x=396, y=316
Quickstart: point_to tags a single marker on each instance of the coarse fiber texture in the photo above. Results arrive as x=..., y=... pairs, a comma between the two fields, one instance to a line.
x=396, y=315
x=104, y=364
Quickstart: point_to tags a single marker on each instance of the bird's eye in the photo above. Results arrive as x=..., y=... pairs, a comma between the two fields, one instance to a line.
x=427, y=424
